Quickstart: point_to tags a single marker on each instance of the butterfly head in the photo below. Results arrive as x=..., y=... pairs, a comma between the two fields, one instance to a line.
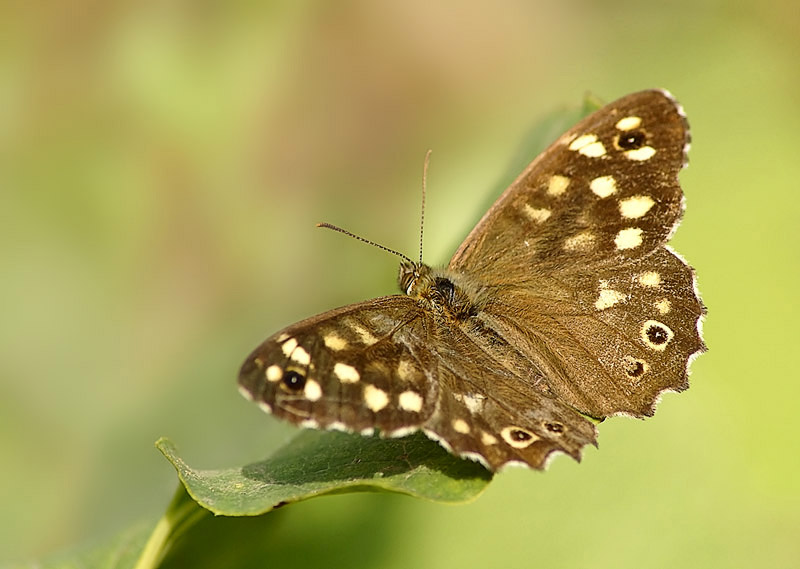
x=409, y=275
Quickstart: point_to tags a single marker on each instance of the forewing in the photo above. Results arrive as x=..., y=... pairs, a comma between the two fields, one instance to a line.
x=604, y=193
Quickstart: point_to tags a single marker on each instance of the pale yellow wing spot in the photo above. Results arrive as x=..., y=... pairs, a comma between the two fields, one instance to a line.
x=588, y=145
x=365, y=335
x=603, y=186
x=608, y=298
x=334, y=342
x=488, y=439
x=557, y=185
x=410, y=401
x=301, y=356
x=538, y=215
x=374, y=398
x=628, y=123
x=346, y=373
x=288, y=347
x=581, y=241
x=581, y=141
x=474, y=402
x=649, y=279
x=405, y=370
x=629, y=238
x=641, y=154
x=635, y=207
x=461, y=426
x=663, y=306
x=273, y=373
x=312, y=390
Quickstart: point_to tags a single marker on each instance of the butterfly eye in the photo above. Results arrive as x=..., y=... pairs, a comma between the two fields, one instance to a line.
x=445, y=288
x=293, y=381
x=554, y=427
x=656, y=335
x=631, y=140
x=635, y=368
x=518, y=437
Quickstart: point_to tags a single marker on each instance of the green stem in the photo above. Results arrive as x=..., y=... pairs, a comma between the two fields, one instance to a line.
x=182, y=513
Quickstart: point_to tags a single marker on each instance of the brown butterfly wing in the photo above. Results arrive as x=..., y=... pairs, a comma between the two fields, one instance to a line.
x=604, y=193
x=573, y=256
x=387, y=366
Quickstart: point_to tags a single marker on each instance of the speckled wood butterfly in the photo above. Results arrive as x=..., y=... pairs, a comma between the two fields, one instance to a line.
x=562, y=305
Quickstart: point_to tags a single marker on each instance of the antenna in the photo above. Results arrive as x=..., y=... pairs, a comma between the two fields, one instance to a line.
x=367, y=241
x=421, y=221
x=422, y=214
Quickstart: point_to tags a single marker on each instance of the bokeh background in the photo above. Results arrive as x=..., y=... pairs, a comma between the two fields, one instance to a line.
x=162, y=165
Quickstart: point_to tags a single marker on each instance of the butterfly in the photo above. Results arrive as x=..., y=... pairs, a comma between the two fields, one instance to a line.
x=563, y=306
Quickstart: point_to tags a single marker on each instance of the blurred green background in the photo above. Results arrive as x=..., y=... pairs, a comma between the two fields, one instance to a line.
x=162, y=165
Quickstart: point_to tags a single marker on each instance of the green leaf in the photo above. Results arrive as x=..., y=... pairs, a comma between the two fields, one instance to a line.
x=316, y=463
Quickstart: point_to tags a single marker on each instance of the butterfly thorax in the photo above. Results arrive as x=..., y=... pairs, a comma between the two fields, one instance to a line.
x=439, y=291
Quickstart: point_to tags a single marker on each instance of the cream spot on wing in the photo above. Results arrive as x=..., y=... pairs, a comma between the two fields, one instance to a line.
x=650, y=279
x=609, y=298
x=346, y=373
x=374, y=398
x=338, y=426
x=273, y=373
x=282, y=337
x=581, y=241
x=582, y=141
x=309, y=424
x=603, y=186
x=594, y=150
x=245, y=393
x=300, y=356
x=641, y=154
x=588, y=145
x=289, y=346
x=401, y=432
x=557, y=185
x=488, y=439
x=474, y=402
x=518, y=437
x=629, y=238
x=663, y=306
x=635, y=207
x=537, y=214
x=410, y=401
x=405, y=370
x=628, y=123
x=334, y=342
x=365, y=335
x=312, y=391
x=264, y=406
x=461, y=426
